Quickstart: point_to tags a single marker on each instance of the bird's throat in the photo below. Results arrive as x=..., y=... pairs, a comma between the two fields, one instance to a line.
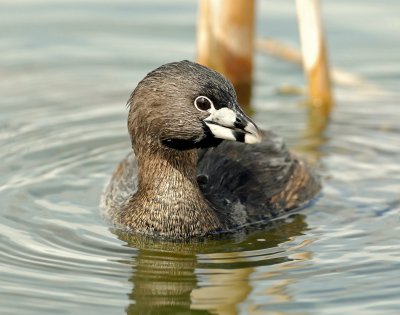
x=168, y=201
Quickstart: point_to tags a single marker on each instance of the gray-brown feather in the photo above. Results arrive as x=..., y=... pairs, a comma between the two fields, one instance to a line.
x=245, y=184
x=253, y=183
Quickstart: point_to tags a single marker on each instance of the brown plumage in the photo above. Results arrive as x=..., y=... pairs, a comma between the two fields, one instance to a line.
x=181, y=181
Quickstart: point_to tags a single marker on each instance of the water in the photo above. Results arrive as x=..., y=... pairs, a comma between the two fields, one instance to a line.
x=67, y=69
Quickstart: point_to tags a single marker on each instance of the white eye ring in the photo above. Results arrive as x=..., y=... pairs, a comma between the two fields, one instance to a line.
x=203, y=103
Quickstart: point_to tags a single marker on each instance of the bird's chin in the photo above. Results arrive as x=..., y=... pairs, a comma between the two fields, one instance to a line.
x=189, y=144
x=209, y=142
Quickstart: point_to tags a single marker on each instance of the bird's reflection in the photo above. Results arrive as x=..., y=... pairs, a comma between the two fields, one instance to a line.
x=207, y=277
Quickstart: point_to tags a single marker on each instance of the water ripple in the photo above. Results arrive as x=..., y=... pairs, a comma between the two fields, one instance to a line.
x=63, y=129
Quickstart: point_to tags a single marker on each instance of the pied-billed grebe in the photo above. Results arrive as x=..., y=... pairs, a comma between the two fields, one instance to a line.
x=182, y=179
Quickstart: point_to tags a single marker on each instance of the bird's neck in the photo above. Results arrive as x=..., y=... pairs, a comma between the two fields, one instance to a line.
x=169, y=201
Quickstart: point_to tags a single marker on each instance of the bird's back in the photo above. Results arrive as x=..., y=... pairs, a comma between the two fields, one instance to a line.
x=254, y=183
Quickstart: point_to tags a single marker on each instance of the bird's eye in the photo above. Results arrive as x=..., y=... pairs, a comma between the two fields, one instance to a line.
x=203, y=103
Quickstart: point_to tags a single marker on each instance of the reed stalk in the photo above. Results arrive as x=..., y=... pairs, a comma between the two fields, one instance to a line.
x=284, y=52
x=225, y=40
x=315, y=63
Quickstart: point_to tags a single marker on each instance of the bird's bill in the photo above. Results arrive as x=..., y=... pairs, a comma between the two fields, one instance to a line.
x=229, y=124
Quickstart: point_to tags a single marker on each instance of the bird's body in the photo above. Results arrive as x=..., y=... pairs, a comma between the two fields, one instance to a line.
x=181, y=181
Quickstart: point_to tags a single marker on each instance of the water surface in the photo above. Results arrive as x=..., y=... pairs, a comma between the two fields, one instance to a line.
x=67, y=69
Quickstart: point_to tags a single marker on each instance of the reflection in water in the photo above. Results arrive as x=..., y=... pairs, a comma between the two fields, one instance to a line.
x=67, y=69
x=208, y=276
x=162, y=284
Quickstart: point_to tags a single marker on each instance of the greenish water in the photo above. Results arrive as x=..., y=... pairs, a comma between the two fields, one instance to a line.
x=66, y=71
